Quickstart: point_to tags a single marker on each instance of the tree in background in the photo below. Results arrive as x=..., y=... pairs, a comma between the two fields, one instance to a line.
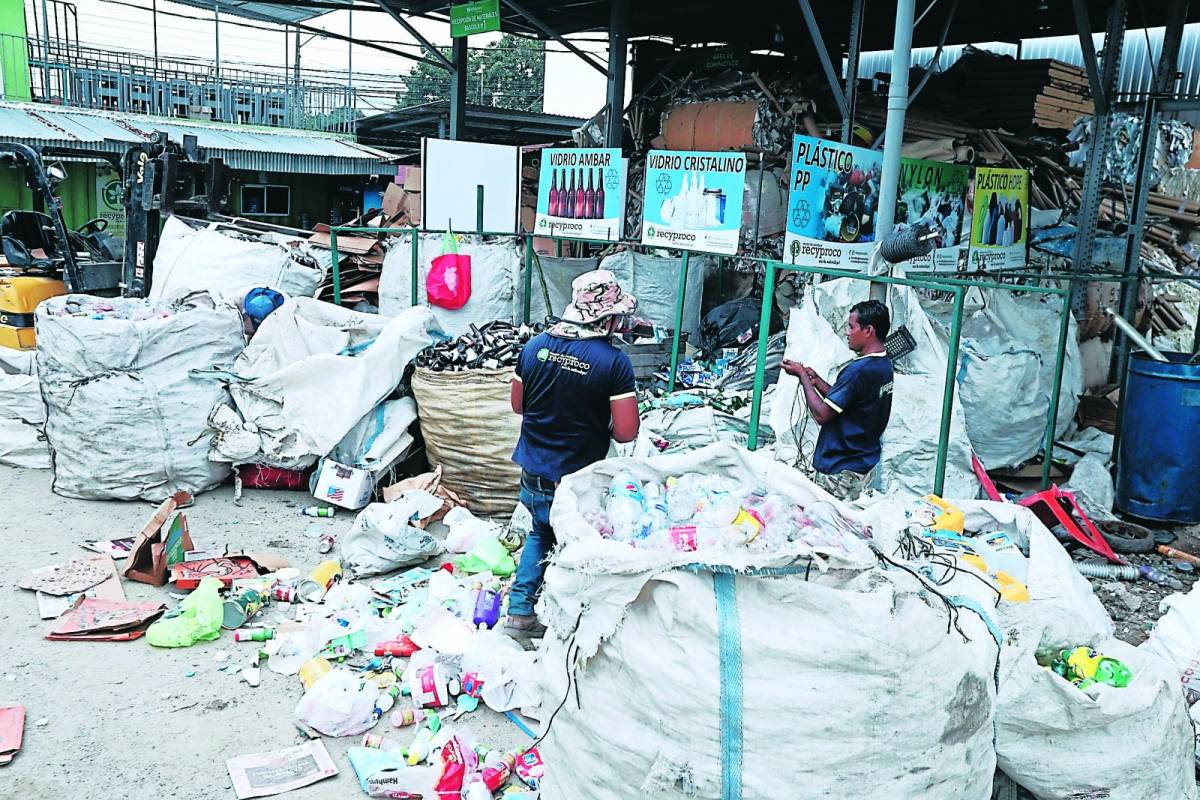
x=508, y=73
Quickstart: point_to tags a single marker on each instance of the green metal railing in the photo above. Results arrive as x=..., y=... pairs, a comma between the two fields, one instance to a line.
x=933, y=281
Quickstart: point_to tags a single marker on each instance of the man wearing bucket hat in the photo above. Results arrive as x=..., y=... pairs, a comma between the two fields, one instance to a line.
x=574, y=391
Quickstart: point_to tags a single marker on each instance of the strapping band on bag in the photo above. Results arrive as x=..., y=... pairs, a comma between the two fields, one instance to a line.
x=729, y=647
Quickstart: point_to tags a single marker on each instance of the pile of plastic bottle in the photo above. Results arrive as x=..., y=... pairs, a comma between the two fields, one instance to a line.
x=1085, y=668
x=695, y=511
x=102, y=308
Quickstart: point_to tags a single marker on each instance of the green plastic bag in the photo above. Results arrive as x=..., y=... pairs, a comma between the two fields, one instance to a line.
x=487, y=556
x=197, y=618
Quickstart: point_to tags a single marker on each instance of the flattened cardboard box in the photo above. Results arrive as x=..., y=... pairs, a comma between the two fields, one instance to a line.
x=160, y=541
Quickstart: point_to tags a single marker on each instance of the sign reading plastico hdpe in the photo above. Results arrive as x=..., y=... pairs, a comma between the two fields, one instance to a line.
x=479, y=16
x=933, y=194
x=581, y=193
x=1000, y=220
x=832, y=204
x=693, y=200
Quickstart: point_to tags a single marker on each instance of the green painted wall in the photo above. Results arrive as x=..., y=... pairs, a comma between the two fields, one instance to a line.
x=14, y=57
x=78, y=192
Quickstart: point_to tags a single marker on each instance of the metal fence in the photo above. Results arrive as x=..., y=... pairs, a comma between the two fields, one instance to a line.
x=88, y=77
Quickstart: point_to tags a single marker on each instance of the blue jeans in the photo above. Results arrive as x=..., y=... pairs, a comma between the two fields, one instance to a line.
x=532, y=568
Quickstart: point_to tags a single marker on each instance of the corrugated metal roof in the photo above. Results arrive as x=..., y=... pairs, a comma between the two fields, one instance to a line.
x=1139, y=56
x=268, y=12
x=259, y=149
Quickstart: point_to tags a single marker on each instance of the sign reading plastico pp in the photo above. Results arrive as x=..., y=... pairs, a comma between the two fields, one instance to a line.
x=933, y=194
x=1000, y=220
x=480, y=16
x=832, y=204
x=693, y=200
x=581, y=193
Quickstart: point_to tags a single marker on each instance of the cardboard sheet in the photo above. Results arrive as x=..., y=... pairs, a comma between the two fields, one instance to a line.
x=91, y=619
x=12, y=727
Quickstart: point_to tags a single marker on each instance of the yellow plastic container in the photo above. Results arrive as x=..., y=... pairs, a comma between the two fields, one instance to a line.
x=951, y=519
x=19, y=297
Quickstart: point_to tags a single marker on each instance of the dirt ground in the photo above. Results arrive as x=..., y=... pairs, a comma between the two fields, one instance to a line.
x=122, y=719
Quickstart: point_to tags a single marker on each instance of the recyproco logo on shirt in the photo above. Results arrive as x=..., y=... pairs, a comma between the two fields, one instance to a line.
x=567, y=362
x=543, y=354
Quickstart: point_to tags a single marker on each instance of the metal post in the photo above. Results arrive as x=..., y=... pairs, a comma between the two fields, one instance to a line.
x=297, y=93
x=939, y=478
x=45, y=52
x=760, y=356
x=683, y=271
x=350, y=50
x=416, y=267
x=894, y=132
x=458, y=89
x=850, y=86
x=479, y=209
x=814, y=31
x=618, y=54
x=154, y=25
x=220, y=98
x=1060, y=361
x=337, y=272
x=529, y=278
x=758, y=208
x=1088, y=215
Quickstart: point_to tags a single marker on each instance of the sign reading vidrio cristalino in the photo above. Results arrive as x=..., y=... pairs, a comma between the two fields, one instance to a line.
x=693, y=200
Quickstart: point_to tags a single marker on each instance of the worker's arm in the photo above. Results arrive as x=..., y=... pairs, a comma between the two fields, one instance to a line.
x=818, y=406
x=516, y=396
x=622, y=400
x=625, y=420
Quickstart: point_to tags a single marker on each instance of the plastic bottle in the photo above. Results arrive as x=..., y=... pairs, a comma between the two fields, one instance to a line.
x=318, y=511
x=385, y=701
x=657, y=518
x=378, y=742
x=487, y=606
x=409, y=716
x=256, y=635
x=418, y=751
x=495, y=776
x=478, y=791
x=625, y=506
x=1154, y=576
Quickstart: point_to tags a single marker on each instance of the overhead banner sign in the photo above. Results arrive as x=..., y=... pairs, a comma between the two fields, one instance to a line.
x=480, y=16
x=693, y=200
x=934, y=194
x=832, y=204
x=1000, y=220
x=581, y=193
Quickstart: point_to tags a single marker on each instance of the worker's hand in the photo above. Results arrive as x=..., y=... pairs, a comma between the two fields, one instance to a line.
x=793, y=367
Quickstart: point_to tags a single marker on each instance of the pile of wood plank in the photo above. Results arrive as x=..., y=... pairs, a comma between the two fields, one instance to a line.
x=1002, y=92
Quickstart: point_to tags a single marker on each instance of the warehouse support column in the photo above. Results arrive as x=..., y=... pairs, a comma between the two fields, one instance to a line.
x=1165, y=80
x=850, y=85
x=894, y=132
x=458, y=89
x=618, y=55
x=1104, y=88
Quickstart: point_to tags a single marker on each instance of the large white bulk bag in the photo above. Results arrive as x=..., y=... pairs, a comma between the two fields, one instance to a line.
x=799, y=673
x=126, y=417
x=215, y=259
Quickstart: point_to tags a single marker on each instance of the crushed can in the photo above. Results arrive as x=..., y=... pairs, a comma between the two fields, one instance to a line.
x=319, y=581
x=240, y=607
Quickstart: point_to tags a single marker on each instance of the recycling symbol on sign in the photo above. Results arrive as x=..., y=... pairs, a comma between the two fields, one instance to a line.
x=612, y=180
x=801, y=214
x=663, y=184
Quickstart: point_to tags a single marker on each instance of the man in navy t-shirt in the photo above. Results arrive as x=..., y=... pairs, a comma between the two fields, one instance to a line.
x=574, y=391
x=853, y=413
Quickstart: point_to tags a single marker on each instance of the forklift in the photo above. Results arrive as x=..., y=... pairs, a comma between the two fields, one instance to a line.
x=42, y=258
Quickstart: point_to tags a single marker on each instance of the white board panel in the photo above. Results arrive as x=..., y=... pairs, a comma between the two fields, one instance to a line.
x=453, y=171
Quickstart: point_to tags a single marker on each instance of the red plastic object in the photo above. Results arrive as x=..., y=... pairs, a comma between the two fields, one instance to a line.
x=989, y=487
x=1055, y=506
x=260, y=476
x=448, y=284
x=402, y=647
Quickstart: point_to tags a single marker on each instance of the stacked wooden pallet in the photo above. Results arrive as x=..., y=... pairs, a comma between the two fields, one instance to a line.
x=1004, y=92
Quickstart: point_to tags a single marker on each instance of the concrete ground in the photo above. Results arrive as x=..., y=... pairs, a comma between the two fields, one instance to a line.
x=122, y=719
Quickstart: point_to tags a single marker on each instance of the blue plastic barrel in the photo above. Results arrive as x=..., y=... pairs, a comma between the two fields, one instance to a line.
x=1158, y=469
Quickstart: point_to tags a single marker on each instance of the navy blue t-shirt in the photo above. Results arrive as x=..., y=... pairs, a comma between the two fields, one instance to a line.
x=567, y=386
x=862, y=398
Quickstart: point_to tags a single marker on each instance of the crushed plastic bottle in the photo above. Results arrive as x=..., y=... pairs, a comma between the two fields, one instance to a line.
x=626, y=506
